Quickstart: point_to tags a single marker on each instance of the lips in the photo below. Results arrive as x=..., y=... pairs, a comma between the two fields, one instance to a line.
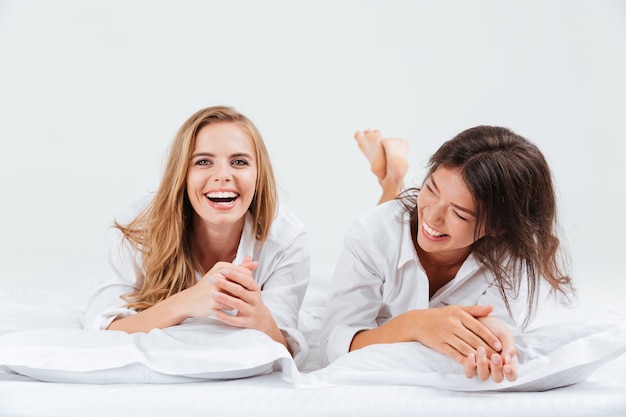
x=222, y=197
x=432, y=232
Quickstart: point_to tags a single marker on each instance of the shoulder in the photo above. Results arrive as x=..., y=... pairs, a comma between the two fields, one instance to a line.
x=381, y=230
x=384, y=218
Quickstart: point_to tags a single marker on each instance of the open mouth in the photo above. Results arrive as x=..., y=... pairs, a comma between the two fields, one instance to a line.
x=222, y=197
x=432, y=232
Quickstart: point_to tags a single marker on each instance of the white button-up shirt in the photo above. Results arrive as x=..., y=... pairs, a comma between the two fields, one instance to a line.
x=378, y=276
x=283, y=273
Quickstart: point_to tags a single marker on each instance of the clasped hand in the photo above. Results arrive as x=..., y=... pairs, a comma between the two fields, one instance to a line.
x=481, y=343
x=228, y=288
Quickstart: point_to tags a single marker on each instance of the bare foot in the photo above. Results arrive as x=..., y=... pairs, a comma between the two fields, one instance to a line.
x=396, y=150
x=370, y=143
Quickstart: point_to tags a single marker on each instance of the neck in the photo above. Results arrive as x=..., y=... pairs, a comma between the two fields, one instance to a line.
x=444, y=260
x=212, y=245
x=440, y=267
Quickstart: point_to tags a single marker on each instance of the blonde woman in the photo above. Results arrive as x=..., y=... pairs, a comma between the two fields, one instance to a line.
x=212, y=241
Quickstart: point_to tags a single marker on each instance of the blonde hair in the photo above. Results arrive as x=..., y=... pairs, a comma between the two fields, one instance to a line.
x=162, y=231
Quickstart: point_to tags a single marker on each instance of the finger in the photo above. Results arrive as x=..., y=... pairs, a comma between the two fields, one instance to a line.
x=231, y=288
x=220, y=306
x=249, y=264
x=222, y=286
x=509, y=372
x=469, y=366
x=510, y=369
x=242, y=277
x=478, y=311
x=229, y=302
x=508, y=345
x=467, y=342
x=483, y=336
x=482, y=364
x=451, y=352
x=466, y=339
x=497, y=373
x=231, y=320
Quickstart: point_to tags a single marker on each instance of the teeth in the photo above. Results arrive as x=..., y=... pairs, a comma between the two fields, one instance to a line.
x=222, y=194
x=432, y=232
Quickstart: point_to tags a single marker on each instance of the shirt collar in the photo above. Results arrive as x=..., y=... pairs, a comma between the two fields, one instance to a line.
x=407, y=250
x=248, y=240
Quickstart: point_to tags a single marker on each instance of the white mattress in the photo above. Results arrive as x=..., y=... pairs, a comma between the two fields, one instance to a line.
x=57, y=299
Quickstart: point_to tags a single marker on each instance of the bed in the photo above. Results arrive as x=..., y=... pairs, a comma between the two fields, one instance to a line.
x=590, y=380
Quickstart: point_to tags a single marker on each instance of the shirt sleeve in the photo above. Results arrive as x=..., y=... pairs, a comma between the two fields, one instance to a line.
x=285, y=280
x=355, y=297
x=123, y=270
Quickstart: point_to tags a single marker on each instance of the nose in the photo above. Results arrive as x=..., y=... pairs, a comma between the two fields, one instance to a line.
x=222, y=172
x=436, y=213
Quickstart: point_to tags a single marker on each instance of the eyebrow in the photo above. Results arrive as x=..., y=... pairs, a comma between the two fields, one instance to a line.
x=235, y=155
x=456, y=206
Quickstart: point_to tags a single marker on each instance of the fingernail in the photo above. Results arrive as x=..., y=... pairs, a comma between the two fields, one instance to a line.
x=212, y=280
x=495, y=359
x=224, y=272
x=481, y=352
x=215, y=293
x=498, y=346
x=508, y=358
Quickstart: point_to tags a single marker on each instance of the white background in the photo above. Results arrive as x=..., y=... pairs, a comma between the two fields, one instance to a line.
x=92, y=92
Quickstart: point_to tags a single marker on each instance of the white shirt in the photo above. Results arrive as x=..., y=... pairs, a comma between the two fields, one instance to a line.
x=283, y=273
x=378, y=276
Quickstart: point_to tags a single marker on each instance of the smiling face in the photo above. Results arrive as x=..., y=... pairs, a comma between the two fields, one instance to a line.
x=447, y=219
x=221, y=179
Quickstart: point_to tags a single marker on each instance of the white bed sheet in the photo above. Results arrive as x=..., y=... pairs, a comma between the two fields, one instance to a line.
x=58, y=298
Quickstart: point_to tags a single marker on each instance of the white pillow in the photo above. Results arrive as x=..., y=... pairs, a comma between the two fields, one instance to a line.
x=549, y=356
x=198, y=349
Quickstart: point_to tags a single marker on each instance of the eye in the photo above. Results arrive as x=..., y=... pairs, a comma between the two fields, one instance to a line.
x=202, y=162
x=240, y=162
x=456, y=213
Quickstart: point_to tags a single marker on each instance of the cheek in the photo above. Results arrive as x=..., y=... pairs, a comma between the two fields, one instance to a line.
x=193, y=182
x=468, y=233
x=424, y=204
x=422, y=201
x=251, y=180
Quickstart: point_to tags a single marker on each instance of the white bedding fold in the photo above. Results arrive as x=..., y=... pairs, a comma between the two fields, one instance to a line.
x=550, y=356
x=195, y=350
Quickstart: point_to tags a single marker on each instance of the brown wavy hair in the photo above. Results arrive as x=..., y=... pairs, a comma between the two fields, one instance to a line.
x=511, y=184
x=161, y=233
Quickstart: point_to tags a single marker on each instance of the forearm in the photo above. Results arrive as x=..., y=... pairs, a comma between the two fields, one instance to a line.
x=452, y=330
x=279, y=337
x=163, y=314
x=394, y=331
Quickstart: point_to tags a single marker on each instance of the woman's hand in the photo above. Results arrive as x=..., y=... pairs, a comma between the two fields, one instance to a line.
x=236, y=289
x=453, y=330
x=194, y=302
x=497, y=365
x=198, y=301
x=457, y=331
